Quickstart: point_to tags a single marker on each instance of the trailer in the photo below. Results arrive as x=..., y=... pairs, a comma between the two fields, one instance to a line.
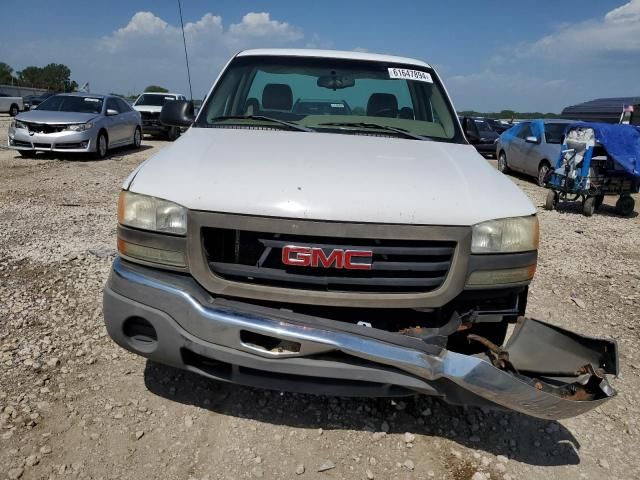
x=596, y=160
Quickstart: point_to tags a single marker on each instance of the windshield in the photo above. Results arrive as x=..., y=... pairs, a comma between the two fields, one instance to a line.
x=554, y=132
x=332, y=96
x=67, y=103
x=154, y=100
x=483, y=126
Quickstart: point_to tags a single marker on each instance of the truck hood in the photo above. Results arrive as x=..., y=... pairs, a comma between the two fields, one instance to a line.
x=51, y=116
x=324, y=176
x=148, y=108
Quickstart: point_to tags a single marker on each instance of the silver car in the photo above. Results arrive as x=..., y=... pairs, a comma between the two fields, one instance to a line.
x=76, y=122
x=531, y=147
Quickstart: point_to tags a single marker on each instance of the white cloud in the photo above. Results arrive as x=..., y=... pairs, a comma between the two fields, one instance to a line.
x=616, y=34
x=149, y=50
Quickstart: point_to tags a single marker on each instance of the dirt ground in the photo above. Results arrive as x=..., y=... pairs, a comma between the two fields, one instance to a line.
x=74, y=405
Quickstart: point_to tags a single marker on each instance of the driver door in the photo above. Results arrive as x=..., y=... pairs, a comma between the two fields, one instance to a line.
x=116, y=126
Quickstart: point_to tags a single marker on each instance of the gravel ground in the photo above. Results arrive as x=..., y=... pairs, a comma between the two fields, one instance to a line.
x=74, y=405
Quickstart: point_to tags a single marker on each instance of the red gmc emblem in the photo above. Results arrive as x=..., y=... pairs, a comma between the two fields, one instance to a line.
x=316, y=257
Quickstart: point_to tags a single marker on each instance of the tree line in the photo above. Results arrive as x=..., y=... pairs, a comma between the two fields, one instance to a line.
x=55, y=76
x=508, y=114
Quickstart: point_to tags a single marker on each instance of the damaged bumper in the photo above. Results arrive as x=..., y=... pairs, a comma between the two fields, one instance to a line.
x=543, y=370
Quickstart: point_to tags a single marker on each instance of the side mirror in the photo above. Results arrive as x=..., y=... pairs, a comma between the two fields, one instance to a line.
x=111, y=112
x=177, y=113
x=531, y=139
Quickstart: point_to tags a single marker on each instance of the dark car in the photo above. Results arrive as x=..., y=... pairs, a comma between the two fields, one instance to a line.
x=480, y=134
x=34, y=100
x=498, y=126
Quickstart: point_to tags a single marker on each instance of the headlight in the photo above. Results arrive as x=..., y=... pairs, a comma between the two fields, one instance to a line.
x=507, y=235
x=151, y=213
x=81, y=127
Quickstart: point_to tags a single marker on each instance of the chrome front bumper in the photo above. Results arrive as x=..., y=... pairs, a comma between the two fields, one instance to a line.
x=72, y=142
x=551, y=374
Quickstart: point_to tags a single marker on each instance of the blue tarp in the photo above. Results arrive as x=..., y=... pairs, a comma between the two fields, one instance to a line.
x=622, y=143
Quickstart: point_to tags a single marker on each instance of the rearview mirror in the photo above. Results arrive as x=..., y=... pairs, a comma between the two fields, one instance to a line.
x=335, y=82
x=177, y=113
x=111, y=112
x=531, y=139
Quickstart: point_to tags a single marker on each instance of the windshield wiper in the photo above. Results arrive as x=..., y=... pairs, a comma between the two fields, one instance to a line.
x=376, y=126
x=293, y=126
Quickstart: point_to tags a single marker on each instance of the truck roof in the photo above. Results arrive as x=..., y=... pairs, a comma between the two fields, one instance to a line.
x=161, y=93
x=342, y=54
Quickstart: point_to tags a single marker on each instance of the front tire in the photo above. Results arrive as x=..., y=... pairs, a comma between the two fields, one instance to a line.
x=551, y=202
x=14, y=110
x=502, y=163
x=27, y=153
x=543, y=172
x=102, y=146
x=589, y=206
x=625, y=205
x=173, y=133
x=137, y=138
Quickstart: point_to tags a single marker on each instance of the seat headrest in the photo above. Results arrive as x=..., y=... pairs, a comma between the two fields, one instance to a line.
x=382, y=105
x=277, y=96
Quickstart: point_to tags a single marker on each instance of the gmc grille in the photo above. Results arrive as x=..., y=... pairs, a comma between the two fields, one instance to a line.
x=398, y=266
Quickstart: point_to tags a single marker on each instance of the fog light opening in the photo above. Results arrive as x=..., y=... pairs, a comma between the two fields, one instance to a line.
x=140, y=333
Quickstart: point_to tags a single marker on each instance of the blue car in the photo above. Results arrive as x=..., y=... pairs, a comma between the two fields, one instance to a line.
x=531, y=147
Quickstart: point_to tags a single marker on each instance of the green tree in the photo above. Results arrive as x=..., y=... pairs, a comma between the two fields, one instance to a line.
x=155, y=89
x=6, y=73
x=54, y=76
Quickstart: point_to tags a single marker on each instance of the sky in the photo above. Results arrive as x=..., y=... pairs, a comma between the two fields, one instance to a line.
x=491, y=54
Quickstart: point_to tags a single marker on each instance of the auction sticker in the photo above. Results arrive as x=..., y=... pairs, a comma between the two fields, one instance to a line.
x=405, y=74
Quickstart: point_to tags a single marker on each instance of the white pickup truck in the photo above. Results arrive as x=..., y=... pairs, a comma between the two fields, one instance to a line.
x=10, y=105
x=354, y=245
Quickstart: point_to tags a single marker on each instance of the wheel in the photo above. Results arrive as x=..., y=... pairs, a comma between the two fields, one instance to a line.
x=552, y=200
x=14, y=110
x=102, y=146
x=589, y=206
x=173, y=133
x=137, y=138
x=625, y=205
x=599, y=201
x=543, y=171
x=27, y=153
x=502, y=163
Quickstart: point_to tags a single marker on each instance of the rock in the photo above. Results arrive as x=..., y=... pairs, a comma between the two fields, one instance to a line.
x=45, y=450
x=408, y=437
x=408, y=464
x=328, y=465
x=369, y=474
x=188, y=421
x=139, y=434
x=15, y=473
x=32, y=460
x=604, y=463
x=502, y=459
x=300, y=469
x=479, y=476
x=578, y=302
x=378, y=435
x=372, y=461
x=94, y=436
x=257, y=472
x=53, y=362
x=257, y=459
